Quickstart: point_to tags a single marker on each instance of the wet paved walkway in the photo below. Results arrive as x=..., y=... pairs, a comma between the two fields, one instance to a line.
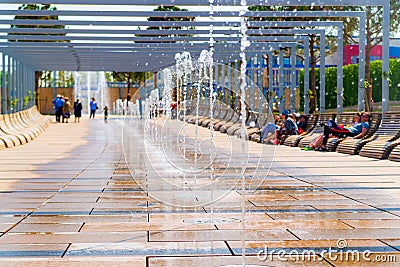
x=68, y=198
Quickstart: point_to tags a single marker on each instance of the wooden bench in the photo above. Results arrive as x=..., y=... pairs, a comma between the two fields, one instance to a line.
x=224, y=125
x=253, y=133
x=21, y=127
x=24, y=129
x=387, y=131
x=8, y=139
x=375, y=119
x=218, y=116
x=381, y=146
x=395, y=154
x=317, y=131
x=191, y=117
x=34, y=117
x=228, y=117
x=251, y=117
x=207, y=115
x=294, y=140
x=188, y=113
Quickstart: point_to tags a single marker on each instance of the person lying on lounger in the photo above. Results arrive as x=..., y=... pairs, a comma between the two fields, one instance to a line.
x=356, y=131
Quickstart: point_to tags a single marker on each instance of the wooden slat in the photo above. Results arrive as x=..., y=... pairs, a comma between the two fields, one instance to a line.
x=375, y=120
x=318, y=130
x=294, y=140
x=388, y=130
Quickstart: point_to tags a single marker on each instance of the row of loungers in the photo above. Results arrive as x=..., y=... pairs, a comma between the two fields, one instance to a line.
x=21, y=127
x=382, y=140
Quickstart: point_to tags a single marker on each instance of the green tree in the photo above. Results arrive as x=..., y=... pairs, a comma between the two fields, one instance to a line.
x=374, y=29
x=129, y=77
x=171, y=31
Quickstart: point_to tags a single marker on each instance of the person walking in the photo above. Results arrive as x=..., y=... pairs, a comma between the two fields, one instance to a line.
x=58, y=103
x=77, y=110
x=105, y=109
x=67, y=110
x=93, y=108
x=140, y=107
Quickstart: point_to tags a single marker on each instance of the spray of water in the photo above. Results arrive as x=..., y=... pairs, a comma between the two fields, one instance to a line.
x=244, y=43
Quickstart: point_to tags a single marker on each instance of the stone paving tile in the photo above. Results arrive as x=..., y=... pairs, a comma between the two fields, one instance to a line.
x=219, y=235
x=67, y=205
x=7, y=211
x=152, y=248
x=352, y=207
x=67, y=210
x=231, y=261
x=89, y=182
x=74, y=237
x=368, y=259
x=377, y=223
x=314, y=203
x=267, y=198
x=59, y=198
x=36, y=196
x=5, y=226
x=45, y=228
x=362, y=233
x=143, y=226
x=10, y=219
x=119, y=261
x=304, y=203
x=27, y=250
x=251, y=208
x=204, y=218
x=286, y=224
x=316, y=245
x=26, y=187
x=83, y=188
x=24, y=205
x=315, y=195
x=393, y=242
x=86, y=218
x=333, y=215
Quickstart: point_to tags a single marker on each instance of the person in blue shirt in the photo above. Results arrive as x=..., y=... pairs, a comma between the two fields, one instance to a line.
x=357, y=131
x=58, y=103
x=140, y=107
x=93, y=108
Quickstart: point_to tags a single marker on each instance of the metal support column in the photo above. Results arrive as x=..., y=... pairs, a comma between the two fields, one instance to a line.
x=270, y=80
x=9, y=84
x=361, y=66
x=54, y=84
x=3, y=85
x=385, y=57
x=251, y=85
x=322, y=92
x=20, y=86
x=293, y=78
x=339, y=72
x=237, y=84
x=306, y=76
x=223, y=85
x=281, y=83
x=260, y=83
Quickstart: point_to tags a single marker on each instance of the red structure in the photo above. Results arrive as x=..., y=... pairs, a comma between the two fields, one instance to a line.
x=350, y=54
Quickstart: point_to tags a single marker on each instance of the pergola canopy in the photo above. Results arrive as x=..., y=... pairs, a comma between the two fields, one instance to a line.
x=85, y=37
x=119, y=40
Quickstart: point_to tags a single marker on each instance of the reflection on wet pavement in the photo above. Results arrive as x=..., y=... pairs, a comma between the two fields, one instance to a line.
x=77, y=204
